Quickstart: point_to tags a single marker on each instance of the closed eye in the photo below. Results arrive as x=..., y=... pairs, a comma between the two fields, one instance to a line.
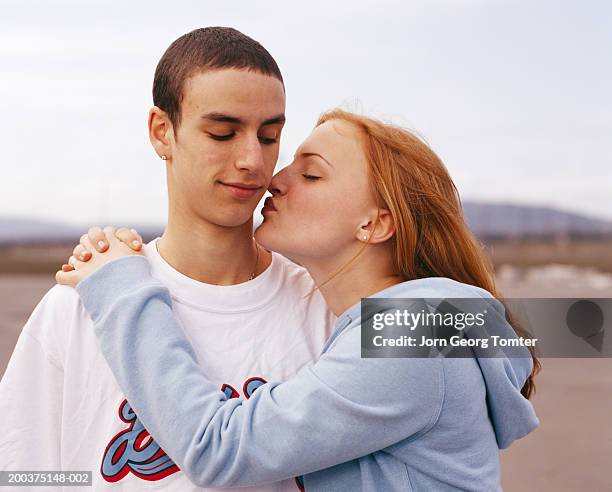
x=222, y=138
x=267, y=141
x=310, y=177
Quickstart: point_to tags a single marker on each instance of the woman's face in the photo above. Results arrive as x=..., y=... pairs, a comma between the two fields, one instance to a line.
x=321, y=200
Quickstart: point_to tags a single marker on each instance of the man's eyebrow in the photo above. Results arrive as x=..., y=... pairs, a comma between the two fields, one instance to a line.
x=224, y=118
x=308, y=154
x=277, y=120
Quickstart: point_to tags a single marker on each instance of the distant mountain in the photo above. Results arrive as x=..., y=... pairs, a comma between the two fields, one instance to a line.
x=17, y=230
x=31, y=230
x=485, y=220
x=511, y=220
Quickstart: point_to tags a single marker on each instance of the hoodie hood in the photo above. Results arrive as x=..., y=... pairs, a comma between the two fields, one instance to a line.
x=512, y=415
x=504, y=371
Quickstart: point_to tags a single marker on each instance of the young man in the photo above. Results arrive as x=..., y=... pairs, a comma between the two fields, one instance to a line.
x=219, y=103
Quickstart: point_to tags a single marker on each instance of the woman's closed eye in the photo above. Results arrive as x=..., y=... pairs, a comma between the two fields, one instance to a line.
x=311, y=177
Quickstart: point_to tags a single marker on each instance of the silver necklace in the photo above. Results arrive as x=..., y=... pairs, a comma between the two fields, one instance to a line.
x=256, y=262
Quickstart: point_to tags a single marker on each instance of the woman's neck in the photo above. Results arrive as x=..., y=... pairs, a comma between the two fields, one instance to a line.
x=369, y=274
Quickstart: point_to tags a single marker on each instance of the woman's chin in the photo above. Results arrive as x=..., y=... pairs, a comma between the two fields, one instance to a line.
x=273, y=239
x=265, y=235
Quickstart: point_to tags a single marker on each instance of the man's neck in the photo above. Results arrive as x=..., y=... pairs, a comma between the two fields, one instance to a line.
x=212, y=254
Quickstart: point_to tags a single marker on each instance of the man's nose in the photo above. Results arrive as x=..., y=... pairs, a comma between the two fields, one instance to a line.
x=250, y=156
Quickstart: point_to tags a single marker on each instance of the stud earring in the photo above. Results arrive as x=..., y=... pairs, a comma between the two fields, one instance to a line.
x=365, y=238
x=163, y=157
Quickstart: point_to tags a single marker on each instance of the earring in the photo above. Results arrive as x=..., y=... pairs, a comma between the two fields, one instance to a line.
x=163, y=157
x=365, y=238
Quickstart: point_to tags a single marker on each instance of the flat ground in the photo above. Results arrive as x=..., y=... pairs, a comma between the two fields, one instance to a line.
x=572, y=449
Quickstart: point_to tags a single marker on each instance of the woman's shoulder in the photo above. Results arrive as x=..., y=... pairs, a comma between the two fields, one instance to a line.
x=435, y=287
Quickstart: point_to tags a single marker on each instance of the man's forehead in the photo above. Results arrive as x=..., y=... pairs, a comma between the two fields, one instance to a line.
x=241, y=94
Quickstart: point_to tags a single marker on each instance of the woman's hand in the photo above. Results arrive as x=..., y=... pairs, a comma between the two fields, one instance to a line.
x=95, y=249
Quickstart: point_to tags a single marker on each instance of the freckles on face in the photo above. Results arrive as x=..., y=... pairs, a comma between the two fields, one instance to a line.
x=322, y=209
x=227, y=120
x=324, y=194
x=338, y=199
x=227, y=143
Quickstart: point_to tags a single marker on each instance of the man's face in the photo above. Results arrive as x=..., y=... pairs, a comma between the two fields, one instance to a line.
x=226, y=145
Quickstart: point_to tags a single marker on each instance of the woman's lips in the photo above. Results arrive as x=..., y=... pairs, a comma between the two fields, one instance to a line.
x=268, y=205
x=242, y=191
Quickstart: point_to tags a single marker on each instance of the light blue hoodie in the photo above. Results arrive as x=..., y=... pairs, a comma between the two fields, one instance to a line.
x=345, y=423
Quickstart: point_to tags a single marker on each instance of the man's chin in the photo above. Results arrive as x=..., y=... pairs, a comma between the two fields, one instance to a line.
x=237, y=222
x=229, y=221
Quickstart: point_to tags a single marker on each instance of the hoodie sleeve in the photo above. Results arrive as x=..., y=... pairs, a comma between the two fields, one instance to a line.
x=342, y=408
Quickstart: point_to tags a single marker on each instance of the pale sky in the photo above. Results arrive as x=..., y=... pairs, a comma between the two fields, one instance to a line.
x=513, y=95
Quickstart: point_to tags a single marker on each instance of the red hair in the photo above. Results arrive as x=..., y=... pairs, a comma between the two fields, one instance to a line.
x=431, y=237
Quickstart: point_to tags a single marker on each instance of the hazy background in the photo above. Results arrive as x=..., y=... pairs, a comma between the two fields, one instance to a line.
x=513, y=95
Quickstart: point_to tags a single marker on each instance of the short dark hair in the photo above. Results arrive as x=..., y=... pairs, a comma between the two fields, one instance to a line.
x=202, y=49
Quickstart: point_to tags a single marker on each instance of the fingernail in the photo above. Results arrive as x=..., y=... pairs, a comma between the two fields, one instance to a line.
x=136, y=243
x=101, y=244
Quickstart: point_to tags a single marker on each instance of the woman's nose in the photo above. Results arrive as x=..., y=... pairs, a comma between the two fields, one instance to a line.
x=278, y=185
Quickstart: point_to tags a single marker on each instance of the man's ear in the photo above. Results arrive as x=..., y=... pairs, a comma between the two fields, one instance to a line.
x=160, y=132
x=379, y=229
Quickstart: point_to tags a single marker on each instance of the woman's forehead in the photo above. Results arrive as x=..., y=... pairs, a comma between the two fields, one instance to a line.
x=334, y=139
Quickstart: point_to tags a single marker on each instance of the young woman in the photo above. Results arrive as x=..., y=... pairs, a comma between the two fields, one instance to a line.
x=370, y=211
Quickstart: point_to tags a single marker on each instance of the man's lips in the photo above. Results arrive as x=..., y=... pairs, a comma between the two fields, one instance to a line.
x=242, y=191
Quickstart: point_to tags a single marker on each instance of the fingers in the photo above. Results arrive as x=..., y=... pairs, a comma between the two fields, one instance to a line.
x=81, y=251
x=138, y=236
x=98, y=239
x=72, y=261
x=87, y=245
x=68, y=274
x=67, y=278
x=109, y=232
x=129, y=237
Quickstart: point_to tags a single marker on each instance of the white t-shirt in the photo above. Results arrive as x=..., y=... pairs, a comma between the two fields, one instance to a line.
x=61, y=408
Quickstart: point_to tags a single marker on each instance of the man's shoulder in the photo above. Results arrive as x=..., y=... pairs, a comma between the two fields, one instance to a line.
x=60, y=297
x=59, y=308
x=295, y=278
x=291, y=269
x=52, y=320
x=300, y=291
